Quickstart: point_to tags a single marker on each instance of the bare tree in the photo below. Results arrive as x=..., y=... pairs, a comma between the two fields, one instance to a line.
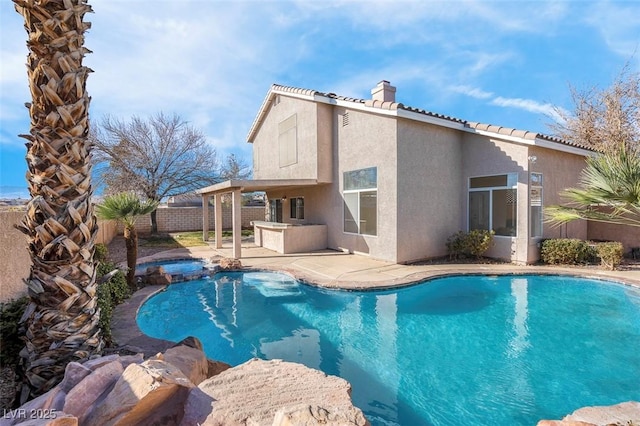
x=158, y=157
x=234, y=169
x=605, y=119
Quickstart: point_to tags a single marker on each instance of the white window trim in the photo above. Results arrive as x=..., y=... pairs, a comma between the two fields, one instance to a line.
x=541, y=187
x=354, y=191
x=491, y=189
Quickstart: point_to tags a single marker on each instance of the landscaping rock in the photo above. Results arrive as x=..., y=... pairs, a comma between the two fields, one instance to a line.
x=216, y=367
x=308, y=415
x=146, y=393
x=620, y=414
x=125, y=390
x=254, y=392
x=229, y=264
x=191, y=361
x=60, y=420
x=82, y=399
x=155, y=275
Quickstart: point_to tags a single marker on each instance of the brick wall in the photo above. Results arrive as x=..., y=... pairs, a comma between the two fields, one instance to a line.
x=180, y=219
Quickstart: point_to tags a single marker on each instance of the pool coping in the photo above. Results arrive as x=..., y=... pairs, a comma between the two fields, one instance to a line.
x=126, y=333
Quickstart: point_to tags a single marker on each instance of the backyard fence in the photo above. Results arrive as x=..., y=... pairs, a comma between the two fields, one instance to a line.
x=15, y=261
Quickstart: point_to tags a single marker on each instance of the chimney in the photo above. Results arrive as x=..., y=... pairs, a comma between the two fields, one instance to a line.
x=384, y=92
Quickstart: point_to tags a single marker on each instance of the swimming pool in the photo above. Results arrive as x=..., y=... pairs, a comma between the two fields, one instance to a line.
x=179, y=269
x=459, y=350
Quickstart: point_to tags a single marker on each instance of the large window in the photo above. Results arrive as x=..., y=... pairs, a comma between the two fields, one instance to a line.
x=361, y=201
x=535, y=204
x=297, y=208
x=493, y=203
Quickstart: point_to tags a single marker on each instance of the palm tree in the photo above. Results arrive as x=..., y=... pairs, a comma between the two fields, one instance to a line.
x=62, y=316
x=126, y=208
x=610, y=191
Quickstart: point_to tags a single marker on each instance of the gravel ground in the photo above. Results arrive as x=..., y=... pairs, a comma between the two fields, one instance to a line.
x=7, y=388
x=118, y=250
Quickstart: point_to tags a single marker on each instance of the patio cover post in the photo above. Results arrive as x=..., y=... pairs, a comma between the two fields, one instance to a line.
x=217, y=215
x=237, y=223
x=205, y=217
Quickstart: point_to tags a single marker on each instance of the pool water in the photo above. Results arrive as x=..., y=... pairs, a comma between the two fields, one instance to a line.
x=186, y=266
x=466, y=350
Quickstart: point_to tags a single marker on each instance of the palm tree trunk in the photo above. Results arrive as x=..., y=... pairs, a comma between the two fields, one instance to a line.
x=62, y=317
x=131, y=242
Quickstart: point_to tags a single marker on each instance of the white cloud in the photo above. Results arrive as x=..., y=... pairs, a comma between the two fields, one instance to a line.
x=529, y=105
x=619, y=24
x=474, y=92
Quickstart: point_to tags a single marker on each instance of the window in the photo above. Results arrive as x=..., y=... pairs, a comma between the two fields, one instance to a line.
x=275, y=210
x=535, y=204
x=361, y=201
x=493, y=203
x=297, y=208
x=287, y=141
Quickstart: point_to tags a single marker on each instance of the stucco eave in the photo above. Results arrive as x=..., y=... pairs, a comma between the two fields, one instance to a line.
x=250, y=185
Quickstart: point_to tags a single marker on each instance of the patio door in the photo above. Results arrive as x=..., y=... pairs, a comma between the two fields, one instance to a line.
x=275, y=210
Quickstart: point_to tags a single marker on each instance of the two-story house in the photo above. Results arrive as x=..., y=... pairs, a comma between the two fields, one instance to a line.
x=376, y=177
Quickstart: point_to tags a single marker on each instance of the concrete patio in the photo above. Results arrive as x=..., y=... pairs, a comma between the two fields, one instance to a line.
x=334, y=269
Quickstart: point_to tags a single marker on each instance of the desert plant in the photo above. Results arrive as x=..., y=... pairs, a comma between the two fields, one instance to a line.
x=10, y=314
x=610, y=254
x=62, y=321
x=473, y=243
x=126, y=208
x=110, y=294
x=102, y=253
x=478, y=241
x=566, y=251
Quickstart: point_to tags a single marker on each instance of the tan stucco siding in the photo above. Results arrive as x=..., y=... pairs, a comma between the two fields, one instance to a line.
x=560, y=171
x=326, y=124
x=484, y=156
x=369, y=140
x=267, y=163
x=429, y=182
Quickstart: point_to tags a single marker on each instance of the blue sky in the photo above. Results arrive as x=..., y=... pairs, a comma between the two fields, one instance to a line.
x=212, y=62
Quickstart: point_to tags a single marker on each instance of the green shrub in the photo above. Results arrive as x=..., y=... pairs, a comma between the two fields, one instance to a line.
x=101, y=253
x=110, y=294
x=473, y=243
x=566, y=251
x=11, y=344
x=455, y=245
x=610, y=254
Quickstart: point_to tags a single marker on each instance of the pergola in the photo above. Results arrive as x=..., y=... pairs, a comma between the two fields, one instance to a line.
x=236, y=188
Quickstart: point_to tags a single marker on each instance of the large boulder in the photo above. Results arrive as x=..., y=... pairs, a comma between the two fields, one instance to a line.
x=255, y=391
x=155, y=275
x=127, y=390
x=149, y=393
x=625, y=413
x=229, y=264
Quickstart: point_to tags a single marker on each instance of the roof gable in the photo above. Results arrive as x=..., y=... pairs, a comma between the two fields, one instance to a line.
x=376, y=106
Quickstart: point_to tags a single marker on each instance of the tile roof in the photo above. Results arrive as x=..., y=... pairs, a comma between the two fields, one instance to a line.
x=523, y=134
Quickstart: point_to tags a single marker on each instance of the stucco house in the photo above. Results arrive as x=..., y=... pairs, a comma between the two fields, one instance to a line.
x=376, y=177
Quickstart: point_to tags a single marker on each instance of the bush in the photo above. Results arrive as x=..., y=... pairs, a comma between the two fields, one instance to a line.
x=110, y=294
x=474, y=243
x=610, y=254
x=566, y=251
x=101, y=253
x=10, y=314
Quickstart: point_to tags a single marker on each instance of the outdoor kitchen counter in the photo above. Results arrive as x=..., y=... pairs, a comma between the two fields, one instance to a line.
x=288, y=238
